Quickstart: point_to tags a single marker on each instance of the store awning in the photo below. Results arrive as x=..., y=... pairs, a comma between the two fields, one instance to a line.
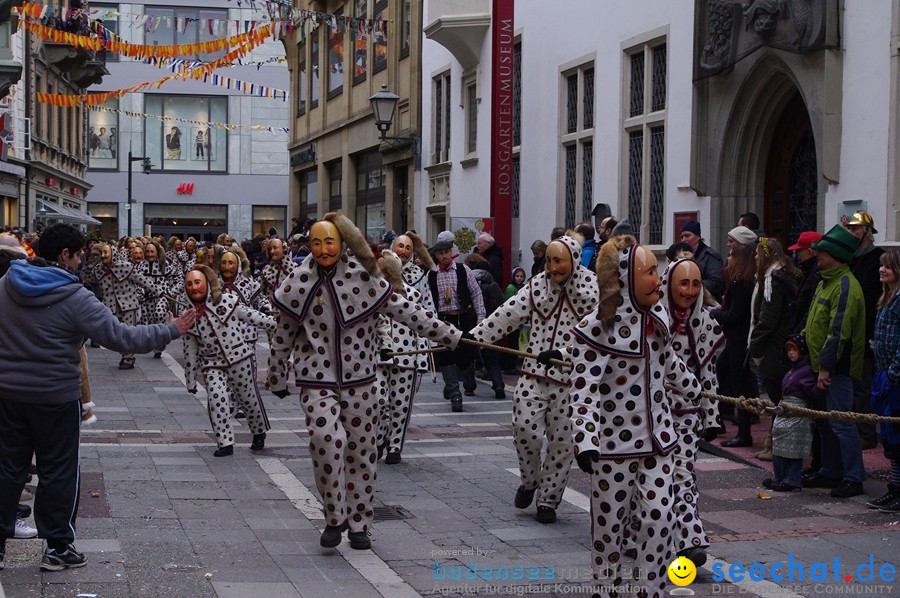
x=58, y=212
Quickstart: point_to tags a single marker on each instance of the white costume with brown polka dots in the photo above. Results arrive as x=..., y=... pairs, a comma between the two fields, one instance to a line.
x=622, y=410
x=541, y=401
x=249, y=292
x=184, y=261
x=155, y=307
x=217, y=356
x=122, y=288
x=417, y=277
x=327, y=320
x=695, y=340
x=273, y=274
x=398, y=377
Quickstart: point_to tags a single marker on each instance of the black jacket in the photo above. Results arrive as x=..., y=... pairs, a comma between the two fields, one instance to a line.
x=711, y=265
x=494, y=256
x=865, y=270
x=810, y=280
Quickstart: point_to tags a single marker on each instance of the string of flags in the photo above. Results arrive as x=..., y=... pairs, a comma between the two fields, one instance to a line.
x=203, y=123
x=285, y=15
x=178, y=65
x=97, y=44
x=202, y=72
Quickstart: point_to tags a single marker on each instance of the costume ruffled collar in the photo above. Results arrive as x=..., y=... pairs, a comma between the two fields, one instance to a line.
x=353, y=293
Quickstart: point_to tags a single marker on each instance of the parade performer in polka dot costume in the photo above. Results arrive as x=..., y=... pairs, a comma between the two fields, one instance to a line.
x=409, y=247
x=552, y=302
x=217, y=356
x=696, y=338
x=398, y=377
x=278, y=267
x=164, y=276
x=122, y=288
x=622, y=414
x=327, y=320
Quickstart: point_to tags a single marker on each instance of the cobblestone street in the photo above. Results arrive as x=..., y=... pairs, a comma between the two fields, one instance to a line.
x=160, y=516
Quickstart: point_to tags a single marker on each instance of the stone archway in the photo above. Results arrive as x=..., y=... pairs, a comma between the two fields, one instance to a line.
x=760, y=115
x=791, y=193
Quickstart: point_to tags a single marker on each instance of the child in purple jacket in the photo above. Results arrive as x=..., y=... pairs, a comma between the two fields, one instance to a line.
x=792, y=436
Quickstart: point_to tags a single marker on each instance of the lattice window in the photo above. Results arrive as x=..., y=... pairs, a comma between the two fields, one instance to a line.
x=659, y=77
x=517, y=93
x=587, y=101
x=571, y=184
x=657, y=183
x=635, y=178
x=587, y=180
x=645, y=140
x=516, y=201
x=441, y=126
x=572, y=103
x=637, y=84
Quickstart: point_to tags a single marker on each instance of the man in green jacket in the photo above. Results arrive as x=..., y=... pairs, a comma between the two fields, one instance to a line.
x=836, y=333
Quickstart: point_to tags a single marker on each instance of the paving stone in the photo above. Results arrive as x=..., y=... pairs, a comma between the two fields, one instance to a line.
x=229, y=589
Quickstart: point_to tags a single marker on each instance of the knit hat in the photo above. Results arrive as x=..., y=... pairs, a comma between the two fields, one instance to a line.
x=839, y=243
x=799, y=341
x=691, y=226
x=742, y=235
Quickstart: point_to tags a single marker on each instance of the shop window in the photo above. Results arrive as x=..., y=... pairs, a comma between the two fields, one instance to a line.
x=103, y=137
x=360, y=43
x=105, y=14
x=405, y=27
x=380, y=41
x=179, y=145
x=302, y=82
x=335, y=61
x=170, y=26
x=370, y=198
x=335, y=189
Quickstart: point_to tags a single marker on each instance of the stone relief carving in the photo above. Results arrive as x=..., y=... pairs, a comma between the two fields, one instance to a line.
x=763, y=15
x=718, y=51
x=792, y=25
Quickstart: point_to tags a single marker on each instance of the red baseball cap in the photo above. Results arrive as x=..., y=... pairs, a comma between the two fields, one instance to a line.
x=805, y=240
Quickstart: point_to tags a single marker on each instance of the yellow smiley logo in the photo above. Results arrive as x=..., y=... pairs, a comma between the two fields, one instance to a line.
x=682, y=571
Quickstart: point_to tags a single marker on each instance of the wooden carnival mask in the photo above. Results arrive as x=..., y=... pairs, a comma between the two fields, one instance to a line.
x=325, y=243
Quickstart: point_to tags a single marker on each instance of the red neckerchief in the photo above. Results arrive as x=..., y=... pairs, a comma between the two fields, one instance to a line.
x=201, y=308
x=680, y=319
x=443, y=268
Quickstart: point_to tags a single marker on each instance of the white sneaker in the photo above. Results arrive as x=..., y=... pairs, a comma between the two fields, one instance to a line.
x=23, y=530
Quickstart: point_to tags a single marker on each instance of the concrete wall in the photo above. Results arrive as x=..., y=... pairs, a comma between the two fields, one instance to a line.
x=257, y=159
x=555, y=39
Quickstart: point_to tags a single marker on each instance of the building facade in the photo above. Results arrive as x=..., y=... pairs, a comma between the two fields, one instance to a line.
x=205, y=177
x=46, y=143
x=666, y=111
x=338, y=161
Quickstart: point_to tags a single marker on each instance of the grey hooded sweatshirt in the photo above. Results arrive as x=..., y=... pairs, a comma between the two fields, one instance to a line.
x=45, y=315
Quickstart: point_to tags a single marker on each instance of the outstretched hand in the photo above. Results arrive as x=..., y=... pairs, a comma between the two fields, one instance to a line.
x=184, y=322
x=586, y=460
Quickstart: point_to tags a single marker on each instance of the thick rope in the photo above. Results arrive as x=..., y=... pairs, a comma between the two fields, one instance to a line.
x=524, y=354
x=763, y=406
x=418, y=351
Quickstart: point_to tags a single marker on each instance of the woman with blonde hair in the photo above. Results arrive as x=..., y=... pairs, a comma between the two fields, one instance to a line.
x=885, y=394
x=777, y=283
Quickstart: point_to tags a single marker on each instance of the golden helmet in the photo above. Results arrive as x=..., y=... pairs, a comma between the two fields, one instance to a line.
x=862, y=218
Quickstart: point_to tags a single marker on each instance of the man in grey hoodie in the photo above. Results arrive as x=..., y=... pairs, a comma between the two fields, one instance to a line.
x=47, y=315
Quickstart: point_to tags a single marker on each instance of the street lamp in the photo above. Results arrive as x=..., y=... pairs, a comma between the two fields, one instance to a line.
x=384, y=103
x=42, y=216
x=146, y=168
